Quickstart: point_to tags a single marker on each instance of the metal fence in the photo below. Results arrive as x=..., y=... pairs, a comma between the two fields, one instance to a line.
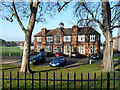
x=88, y=80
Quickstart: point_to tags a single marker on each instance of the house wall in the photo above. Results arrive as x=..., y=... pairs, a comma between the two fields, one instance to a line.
x=74, y=42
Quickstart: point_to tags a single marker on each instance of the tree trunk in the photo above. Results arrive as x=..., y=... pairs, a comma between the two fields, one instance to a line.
x=25, y=59
x=108, y=53
x=108, y=50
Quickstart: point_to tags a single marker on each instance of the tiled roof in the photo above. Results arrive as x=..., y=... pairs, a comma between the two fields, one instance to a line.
x=68, y=31
x=87, y=31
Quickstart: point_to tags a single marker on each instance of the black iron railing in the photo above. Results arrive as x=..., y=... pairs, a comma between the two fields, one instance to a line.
x=61, y=80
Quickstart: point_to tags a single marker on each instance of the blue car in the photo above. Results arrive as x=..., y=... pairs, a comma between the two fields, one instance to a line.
x=58, y=61
x=37, y=59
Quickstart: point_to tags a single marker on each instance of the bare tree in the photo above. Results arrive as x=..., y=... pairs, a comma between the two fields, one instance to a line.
x=21, y=10
x=104, y=14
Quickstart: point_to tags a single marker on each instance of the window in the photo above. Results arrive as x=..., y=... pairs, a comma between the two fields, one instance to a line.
x=67, y=49
x=38, y=48
x=92, y=37
x=82, y=49
x=39, y=39
x=81, y=37
x=55, y=49
x=48, y=48
x=57, y=38
x=67, y=39
x=92, y=49
x=49, y=39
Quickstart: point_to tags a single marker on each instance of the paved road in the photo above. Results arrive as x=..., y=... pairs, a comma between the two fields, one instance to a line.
x=18, y=60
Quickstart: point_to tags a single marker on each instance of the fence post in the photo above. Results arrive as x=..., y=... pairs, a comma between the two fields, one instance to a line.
x=3, y=80
x=61, y=80
x=101, y=80
x=74, y=81
x=46, y=80
x=10, y=81
x=68, y=81
x=88, y=81
x=25, y=80
x=54, y=80
x=108, y=81
x=18, y=79
x=114, y=81
x=94, y=80
x=39, y=80
x=81, y=80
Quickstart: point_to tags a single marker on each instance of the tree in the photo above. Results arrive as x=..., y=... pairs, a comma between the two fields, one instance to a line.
x=21, y=10
x=106, y=15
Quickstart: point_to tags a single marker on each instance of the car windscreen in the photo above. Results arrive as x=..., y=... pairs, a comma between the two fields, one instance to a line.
x=58, y=59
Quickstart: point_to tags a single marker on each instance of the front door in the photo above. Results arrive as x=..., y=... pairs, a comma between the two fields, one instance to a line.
x=60, y=50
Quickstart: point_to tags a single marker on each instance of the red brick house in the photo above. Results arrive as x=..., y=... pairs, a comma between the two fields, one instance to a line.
x=116, y=42
x=85, y=40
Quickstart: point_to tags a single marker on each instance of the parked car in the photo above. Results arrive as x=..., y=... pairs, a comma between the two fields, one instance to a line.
x=37, y=59
x=48, y=54
x=74, y=54
x=58, y=61
x=59, y=54
x=95, y=56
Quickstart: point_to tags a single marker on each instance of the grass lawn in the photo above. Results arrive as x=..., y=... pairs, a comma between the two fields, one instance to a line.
x=93, y=68
x=116, y=57
x=15, y=51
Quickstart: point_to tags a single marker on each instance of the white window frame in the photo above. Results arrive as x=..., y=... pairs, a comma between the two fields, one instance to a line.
x=67, y=37
x=49, y=39
x=92, y=48
x=39, y=39
x=56, y=37
x=82, y=49
x=92, y=37
x=81, y=37
x=67, y=49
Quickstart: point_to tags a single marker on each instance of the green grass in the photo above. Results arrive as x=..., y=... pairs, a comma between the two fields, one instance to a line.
x=93, y=68
x=116, y=57
x=15, y=51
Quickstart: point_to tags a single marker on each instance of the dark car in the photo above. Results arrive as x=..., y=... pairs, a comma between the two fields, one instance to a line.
x=59, y=54
x=95, y=56
x=58, y=61
x=74, y=54
x=48, y=54
x=37, y=59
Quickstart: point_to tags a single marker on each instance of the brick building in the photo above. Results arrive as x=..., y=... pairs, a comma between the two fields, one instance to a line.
x=85, y=40
x=116, y=41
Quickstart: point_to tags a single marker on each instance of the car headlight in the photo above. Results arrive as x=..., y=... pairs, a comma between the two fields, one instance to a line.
x=57, y=63
x=50, y=63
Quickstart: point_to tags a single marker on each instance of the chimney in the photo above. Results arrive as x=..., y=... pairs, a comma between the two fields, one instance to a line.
x=44, y=30
x=75, y=29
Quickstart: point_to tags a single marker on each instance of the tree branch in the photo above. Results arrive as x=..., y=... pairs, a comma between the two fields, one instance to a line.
x=11, y=20
x=93, y=18
x=65, y=3
x=31, y=5
x=115, y=27
x=17, y=17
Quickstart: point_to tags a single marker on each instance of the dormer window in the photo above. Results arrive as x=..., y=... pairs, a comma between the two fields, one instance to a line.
x=39, y=39
x=81, y=37
x=92, y=37
x=57, y=38
x=49, y=39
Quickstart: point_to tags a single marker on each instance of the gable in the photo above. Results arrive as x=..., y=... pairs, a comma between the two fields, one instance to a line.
x=57, y=30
